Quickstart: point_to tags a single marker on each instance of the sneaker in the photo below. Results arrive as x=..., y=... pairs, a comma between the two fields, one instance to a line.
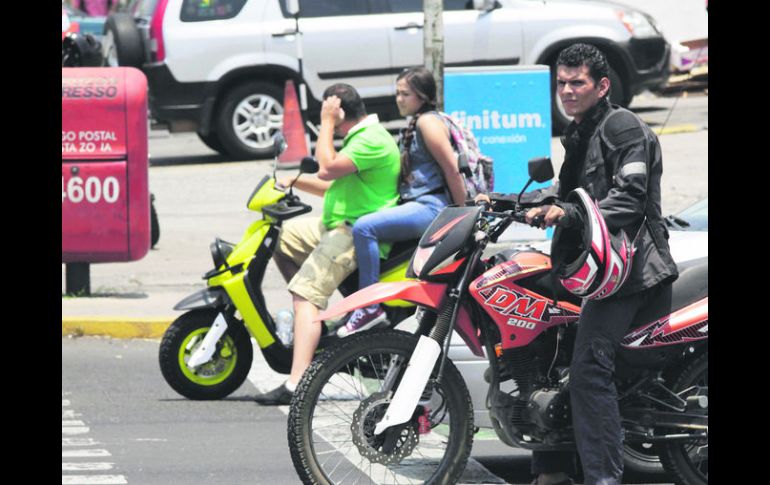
x=363, y=319
x=277, y=397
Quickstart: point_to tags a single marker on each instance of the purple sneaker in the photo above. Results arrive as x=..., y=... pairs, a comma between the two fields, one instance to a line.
x=363, y=319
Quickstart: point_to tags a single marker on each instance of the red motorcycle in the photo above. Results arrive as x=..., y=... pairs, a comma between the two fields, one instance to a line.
x=390, y=407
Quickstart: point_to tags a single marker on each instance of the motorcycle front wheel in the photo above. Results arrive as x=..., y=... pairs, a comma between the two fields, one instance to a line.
x=340, y=399
x=215, y=379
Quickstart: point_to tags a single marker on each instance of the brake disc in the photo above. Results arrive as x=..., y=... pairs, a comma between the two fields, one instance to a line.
x=365, y=418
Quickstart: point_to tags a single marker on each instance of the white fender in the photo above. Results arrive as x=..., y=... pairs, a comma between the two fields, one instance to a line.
x=206, y=349
x=415, y=378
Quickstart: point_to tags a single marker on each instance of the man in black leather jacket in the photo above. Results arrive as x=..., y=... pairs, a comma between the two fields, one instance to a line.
x=616, y=158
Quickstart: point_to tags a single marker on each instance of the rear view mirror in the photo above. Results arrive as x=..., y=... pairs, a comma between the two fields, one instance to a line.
x=308, y=165
x=485, y=5
x=540, y=169
x=292, y=7
x=279, y=144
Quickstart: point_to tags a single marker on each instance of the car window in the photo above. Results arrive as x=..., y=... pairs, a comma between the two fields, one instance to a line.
x=696, y=216
x=74, y=12
x=202, y=10
x=402, y=6
x=328, y=8
x=143, y=8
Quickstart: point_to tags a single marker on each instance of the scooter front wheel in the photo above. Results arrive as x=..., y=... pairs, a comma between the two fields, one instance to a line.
x=215, y=379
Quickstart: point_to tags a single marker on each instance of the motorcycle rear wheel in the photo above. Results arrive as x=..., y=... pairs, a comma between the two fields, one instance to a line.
x=339, y=393
x=689, y=461
x=215, y=379
x=642, y=458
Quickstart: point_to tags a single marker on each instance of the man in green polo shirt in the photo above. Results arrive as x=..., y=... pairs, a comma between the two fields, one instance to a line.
x=316, y=254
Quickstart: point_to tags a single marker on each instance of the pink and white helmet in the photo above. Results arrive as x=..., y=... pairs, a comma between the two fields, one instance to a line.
x=590, y=262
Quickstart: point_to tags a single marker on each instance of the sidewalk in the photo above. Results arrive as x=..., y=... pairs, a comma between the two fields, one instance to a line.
x=118, y=316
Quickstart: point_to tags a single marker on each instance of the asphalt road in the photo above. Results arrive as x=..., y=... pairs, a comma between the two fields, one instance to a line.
x=124, y=424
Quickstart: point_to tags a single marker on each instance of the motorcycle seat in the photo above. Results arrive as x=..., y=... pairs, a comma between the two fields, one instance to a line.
x=400, y=252
x=691, y=286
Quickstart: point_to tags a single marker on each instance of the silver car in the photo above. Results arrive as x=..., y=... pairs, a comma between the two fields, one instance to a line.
x=219, y=67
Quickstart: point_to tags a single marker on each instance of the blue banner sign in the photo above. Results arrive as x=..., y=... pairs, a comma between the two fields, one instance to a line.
x=508, y=108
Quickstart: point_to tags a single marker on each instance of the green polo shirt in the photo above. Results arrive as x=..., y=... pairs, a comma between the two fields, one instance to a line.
x=374, y=185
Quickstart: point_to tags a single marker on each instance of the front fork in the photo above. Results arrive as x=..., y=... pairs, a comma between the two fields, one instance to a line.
x=206, y=349
x=425, y=355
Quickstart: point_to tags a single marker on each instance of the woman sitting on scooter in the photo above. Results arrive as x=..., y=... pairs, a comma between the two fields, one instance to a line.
x=429, y=179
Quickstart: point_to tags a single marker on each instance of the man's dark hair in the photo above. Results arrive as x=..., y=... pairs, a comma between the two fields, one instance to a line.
x=351, y=102
x=578, y=55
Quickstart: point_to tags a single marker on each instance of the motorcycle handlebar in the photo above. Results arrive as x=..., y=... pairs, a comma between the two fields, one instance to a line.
x=521, y=216
x=512, y=216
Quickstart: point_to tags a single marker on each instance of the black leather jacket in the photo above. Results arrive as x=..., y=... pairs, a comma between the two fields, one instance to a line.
x=617, y=159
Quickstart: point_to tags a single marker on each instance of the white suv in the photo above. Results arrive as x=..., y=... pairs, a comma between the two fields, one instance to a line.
x=219, y=67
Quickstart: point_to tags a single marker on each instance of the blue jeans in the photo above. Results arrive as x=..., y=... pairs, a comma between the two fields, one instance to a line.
x=399, y=223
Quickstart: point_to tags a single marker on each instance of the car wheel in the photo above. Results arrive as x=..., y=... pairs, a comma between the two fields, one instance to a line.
x=248, y=117
x=618, y=95
x=212, y=141
x=122, y=42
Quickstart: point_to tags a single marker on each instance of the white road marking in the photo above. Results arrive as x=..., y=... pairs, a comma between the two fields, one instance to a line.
x=84, y=453
x=78, y=427
x=78, y=442
x=79, y=467
x=93, y=480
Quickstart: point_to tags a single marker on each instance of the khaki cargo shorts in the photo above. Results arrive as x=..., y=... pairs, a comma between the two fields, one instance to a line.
x=325, y=257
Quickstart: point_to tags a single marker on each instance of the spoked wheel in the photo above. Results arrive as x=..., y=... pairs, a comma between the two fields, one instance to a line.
x=344, y=394
x=689, y=461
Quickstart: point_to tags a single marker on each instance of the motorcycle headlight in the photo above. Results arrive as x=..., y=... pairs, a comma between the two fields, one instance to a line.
x=638, y=24
x=421, y=256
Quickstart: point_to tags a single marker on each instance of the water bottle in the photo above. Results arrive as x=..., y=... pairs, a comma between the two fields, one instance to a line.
x=284, y=326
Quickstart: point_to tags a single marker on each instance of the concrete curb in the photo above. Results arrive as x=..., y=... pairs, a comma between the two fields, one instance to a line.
x=117, y=327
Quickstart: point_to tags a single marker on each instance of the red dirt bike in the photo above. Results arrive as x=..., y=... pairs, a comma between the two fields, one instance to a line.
x=390, y=407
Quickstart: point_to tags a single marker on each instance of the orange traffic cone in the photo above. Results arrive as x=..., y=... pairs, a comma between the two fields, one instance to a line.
x=293, y=130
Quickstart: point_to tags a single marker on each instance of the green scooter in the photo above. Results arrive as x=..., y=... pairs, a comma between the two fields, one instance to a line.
x=206, y=353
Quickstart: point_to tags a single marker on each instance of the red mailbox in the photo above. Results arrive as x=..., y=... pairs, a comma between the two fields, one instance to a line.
x=104, y=174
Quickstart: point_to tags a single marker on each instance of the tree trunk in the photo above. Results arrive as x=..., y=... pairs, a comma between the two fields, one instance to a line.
x=433, y=44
